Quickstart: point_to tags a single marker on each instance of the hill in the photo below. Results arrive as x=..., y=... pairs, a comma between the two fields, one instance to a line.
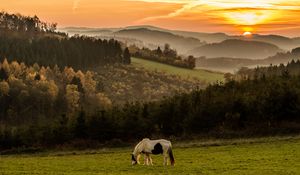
x=226, y=64
x=159, y=38
x=206, y=37
x=200, y=74
x=283, y=42
x=237, y=49
x=280, y=41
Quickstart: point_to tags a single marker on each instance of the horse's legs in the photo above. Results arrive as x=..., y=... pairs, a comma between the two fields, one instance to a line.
x=145, y=159
x=138, y=158
x=165, y=160
x=150, y=159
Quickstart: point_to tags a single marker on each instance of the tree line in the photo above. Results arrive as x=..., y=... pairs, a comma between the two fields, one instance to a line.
x=166, y=56
x=25, y=24
x=29, y=40
x=292, y=68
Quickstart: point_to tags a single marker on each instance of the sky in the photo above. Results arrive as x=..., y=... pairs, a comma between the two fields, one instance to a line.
x=228, y=16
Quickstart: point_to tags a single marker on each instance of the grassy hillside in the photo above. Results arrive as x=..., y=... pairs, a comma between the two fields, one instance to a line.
x=203, y=75
x=130, y=83
x=263, y=156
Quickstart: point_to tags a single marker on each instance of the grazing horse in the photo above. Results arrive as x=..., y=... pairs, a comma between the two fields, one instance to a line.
x=147, y=147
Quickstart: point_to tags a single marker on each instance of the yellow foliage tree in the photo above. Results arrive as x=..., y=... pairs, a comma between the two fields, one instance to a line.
x=4, y=88
x=72, y=97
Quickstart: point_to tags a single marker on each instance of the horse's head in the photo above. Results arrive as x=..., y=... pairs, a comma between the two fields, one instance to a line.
x=133, y=159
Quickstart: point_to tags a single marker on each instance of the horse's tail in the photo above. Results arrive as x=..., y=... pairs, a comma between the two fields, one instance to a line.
x=170, y=152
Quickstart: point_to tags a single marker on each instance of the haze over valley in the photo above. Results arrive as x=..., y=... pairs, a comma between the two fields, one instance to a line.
x=231, y=51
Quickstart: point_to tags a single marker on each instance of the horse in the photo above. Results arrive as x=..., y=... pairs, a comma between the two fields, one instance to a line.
x=155, y=147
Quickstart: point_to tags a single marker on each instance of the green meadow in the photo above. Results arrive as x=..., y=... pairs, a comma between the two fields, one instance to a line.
x=208, y=76
x=262, y=156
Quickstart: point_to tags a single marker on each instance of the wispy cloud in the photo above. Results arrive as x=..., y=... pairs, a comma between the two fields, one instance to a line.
x=187, y=6
x=248, y=12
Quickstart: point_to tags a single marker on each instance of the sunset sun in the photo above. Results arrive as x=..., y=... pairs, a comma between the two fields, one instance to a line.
x=247, y=34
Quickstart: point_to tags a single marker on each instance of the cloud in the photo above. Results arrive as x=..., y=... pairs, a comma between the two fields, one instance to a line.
x=247, y=12
x=178, y=12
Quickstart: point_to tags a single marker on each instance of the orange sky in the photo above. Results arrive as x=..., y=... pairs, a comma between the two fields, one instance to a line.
x=230, y=16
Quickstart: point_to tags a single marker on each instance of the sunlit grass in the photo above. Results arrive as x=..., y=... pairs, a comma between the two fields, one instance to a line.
x=204, y=75
x=263, y=157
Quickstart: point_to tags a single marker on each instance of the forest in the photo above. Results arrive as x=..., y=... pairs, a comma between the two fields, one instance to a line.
x=29, y=40
x=39, y=112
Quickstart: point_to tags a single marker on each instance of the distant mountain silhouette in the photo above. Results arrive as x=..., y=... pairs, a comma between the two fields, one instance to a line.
x=237, y=49
x=207, y=37
x=144, y=32
x=280, y=41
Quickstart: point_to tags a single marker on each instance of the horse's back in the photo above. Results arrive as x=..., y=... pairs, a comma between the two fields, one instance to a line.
x=163, y=142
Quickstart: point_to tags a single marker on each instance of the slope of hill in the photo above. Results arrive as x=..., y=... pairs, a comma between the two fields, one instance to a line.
x=225, y=64
x=237, y=49
x=207, y=37
x=280, y=41
x=159, y=38
x=199, y=74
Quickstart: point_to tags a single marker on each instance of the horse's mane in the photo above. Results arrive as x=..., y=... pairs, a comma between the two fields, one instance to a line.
x=145, y=139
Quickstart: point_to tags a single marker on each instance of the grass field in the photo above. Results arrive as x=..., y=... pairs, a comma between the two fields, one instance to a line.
x=275, y=156
x=208, y=76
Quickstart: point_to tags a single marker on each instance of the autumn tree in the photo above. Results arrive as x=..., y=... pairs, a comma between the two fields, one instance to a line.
x=72, y=97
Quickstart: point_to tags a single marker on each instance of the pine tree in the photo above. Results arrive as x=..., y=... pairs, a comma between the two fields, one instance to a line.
x=3, y=74
x=126, y=56
x=159, y=52
x=80, y=126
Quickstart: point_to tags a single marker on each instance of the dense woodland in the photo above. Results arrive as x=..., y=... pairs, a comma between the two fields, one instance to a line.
x=36, y=97
x=27, y=39
x=41, y=112
x=166, y=56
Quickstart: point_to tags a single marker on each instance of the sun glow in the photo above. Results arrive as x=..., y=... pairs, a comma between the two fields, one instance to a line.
x=247, y=17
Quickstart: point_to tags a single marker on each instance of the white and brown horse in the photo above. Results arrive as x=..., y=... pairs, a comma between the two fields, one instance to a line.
x=147, y=147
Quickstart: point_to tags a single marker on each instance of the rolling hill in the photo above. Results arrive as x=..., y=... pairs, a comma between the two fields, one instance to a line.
x=226, y=64
x=150, y=37
x=177, y=37
x=159, y=38
x=237, y=49
x=280, y=41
